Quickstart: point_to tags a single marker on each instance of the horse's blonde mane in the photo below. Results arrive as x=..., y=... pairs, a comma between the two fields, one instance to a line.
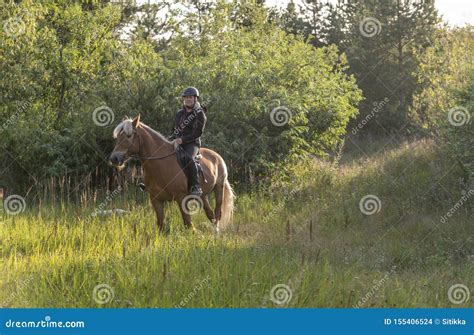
x=127, y=127
x=153, y=131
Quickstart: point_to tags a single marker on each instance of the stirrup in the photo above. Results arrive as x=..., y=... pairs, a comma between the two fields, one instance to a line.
x=196, y=190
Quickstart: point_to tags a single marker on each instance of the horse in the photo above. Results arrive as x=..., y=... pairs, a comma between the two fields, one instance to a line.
x=164, y=178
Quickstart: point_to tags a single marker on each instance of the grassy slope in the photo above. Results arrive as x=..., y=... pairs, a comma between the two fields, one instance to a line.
x=401, y=256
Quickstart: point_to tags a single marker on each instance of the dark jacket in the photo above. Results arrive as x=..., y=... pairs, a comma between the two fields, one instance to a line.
x=189, y=126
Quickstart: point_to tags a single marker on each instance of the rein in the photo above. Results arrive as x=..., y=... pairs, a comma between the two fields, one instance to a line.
x=153, y=158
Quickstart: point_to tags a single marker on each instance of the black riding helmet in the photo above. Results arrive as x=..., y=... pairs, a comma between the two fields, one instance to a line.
x=190, y=91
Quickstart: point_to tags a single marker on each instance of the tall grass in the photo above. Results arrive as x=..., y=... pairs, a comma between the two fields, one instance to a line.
x=310, y=236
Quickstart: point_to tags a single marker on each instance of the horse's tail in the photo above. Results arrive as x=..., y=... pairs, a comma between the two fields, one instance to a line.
x=227, y=206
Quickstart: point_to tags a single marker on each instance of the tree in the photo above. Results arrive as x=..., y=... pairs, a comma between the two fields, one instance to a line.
x=380, y=40
x=443, y=104
x=243, y=80
x=272, y=97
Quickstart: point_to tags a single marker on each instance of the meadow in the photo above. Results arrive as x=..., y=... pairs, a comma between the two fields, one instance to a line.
x=311, y=243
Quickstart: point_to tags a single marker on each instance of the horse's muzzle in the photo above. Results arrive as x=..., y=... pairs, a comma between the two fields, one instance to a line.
x=117, y=159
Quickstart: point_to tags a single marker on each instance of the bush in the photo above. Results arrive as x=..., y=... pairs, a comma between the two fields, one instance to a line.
x=271, y=96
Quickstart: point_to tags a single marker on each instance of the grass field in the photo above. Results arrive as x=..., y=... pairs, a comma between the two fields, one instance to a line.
x=302, y=246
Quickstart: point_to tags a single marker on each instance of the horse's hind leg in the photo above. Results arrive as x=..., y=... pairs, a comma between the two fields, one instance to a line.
x=219, y=193
x=208, y=209
x=210, y=213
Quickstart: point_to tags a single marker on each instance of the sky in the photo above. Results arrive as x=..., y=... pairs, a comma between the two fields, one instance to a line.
x=455, y=12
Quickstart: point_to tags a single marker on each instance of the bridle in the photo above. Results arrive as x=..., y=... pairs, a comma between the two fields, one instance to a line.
x=148, y=158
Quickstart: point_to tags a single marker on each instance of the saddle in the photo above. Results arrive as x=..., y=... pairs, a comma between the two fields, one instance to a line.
x=180, y=155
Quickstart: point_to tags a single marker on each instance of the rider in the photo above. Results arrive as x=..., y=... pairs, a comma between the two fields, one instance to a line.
x=187, y=129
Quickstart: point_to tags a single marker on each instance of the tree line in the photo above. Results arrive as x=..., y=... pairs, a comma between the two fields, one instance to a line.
x=280, y=85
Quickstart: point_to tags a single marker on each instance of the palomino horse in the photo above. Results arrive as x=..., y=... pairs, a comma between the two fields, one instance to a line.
x=164, y=177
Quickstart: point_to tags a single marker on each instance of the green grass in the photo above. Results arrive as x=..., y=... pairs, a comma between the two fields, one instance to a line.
x=401, y=256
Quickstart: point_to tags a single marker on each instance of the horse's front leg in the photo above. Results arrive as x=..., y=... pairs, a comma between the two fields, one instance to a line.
x=160, y=213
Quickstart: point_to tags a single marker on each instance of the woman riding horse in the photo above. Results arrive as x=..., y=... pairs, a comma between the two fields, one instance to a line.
x=163, y=175
x=187, y=129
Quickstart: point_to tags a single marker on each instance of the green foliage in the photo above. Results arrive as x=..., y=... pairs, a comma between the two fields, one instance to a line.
x=381, y=40
x=71, y=60
x=461, y=138
x=245, y=77
x=444, y=103
x=53, y=60
x=62, y=60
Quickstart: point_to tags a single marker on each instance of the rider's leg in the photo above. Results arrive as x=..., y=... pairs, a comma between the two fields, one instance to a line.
x=191, y=150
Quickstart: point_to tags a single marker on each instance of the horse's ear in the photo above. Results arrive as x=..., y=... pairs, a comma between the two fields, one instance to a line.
x=125, y=118
x=136, y=121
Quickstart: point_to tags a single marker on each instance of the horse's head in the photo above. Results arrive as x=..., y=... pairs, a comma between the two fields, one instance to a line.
x=127, y=143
